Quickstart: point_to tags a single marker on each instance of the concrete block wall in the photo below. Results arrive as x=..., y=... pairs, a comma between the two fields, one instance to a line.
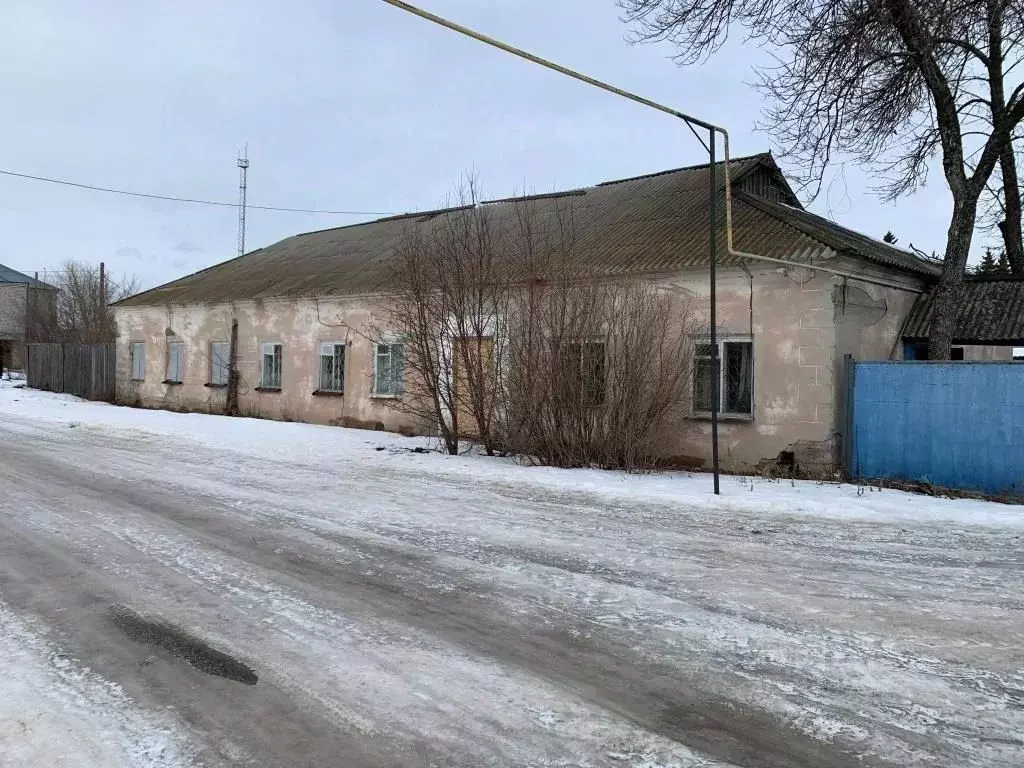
x=12, y=323
x=12, y=311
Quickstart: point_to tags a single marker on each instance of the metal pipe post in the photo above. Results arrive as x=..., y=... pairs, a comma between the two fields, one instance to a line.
x=716, y=377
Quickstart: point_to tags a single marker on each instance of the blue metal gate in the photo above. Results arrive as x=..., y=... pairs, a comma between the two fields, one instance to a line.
x=958, y=425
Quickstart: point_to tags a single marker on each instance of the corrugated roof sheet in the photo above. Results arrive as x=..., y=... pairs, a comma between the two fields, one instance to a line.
x=991, y=311
x=844, y=240
x=648, y=224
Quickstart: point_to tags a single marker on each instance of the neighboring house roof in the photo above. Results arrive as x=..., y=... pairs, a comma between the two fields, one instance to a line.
x=649, y=224
x=991, y=311
x=8, y=275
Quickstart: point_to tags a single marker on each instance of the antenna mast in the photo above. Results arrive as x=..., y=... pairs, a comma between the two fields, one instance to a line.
x=243, y=167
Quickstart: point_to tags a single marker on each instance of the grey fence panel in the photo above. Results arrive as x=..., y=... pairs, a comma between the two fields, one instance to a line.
x=45, y=368
x=85, y=370
x=72, y=370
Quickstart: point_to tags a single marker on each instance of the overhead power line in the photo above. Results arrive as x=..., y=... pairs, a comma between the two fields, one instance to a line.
x=194, y=201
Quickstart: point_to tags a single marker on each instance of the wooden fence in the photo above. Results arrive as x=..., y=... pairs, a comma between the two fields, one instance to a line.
x=85, y=370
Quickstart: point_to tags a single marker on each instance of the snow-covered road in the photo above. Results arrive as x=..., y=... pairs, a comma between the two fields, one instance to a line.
x=413, y=609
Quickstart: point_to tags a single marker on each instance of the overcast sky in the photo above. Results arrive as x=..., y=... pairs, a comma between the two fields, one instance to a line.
x=348, y=105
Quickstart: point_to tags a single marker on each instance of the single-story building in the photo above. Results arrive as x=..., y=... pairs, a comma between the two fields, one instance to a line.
x=303, y=307
x=26, y=304
x=989, y=321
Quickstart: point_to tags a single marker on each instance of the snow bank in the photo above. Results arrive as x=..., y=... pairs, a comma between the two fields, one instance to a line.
x=334, y=447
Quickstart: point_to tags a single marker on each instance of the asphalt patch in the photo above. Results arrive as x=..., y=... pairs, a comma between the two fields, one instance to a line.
x=185, y=646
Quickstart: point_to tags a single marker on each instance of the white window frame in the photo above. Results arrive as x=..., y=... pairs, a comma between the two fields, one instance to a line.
x=722, y=373
x=393, y=391
x=268, y=348
x=175, y=372
x=220, y=365
x=329, y=349
x=137, y=353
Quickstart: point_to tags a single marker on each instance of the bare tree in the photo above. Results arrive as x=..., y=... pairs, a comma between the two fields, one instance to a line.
x=1001, y=204
x=888, y=82
x=81, y=311
x=415, y=315
x=447, y=303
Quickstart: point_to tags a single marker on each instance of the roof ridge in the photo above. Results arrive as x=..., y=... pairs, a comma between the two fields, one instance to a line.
x=577, y=192
x=655, y=174
x=572, y=191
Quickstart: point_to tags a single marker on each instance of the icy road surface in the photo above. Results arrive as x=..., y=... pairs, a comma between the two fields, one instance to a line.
x=182, y=590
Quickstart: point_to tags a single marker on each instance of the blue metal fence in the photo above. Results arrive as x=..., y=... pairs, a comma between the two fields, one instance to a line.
x=958, y=425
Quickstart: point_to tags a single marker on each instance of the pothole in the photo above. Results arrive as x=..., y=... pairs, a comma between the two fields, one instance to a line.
x=185, y=646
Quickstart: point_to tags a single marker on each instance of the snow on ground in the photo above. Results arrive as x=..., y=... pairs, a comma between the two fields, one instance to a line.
x=56, y=712
x=489, y=608
x=267, y=439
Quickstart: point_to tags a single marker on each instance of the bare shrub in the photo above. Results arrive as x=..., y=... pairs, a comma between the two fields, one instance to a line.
x=509, y=343
x=597, y=373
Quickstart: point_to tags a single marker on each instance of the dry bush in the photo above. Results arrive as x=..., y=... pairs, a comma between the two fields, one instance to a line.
x=447, y=302
x=509, y=344
x=597, y=373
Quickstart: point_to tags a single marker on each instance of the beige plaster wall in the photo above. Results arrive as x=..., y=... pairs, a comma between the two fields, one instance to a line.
x=788, y=314
x=799, y=334
x=299, y=325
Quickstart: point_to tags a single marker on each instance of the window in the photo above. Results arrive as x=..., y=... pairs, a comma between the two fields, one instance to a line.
x=138, y=360
x=270, y=365
x=915, y=350
x=389, y=369
x=332, y=367
x=736, y=383
x=220, y=362
x=918, y=350
x=585, y=365
x=702, y=372
x=175, y=362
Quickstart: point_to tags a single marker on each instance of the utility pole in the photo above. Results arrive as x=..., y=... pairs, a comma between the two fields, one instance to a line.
x=243, y=168
x=101, y=320
x=35, y=300
x=231, y=403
